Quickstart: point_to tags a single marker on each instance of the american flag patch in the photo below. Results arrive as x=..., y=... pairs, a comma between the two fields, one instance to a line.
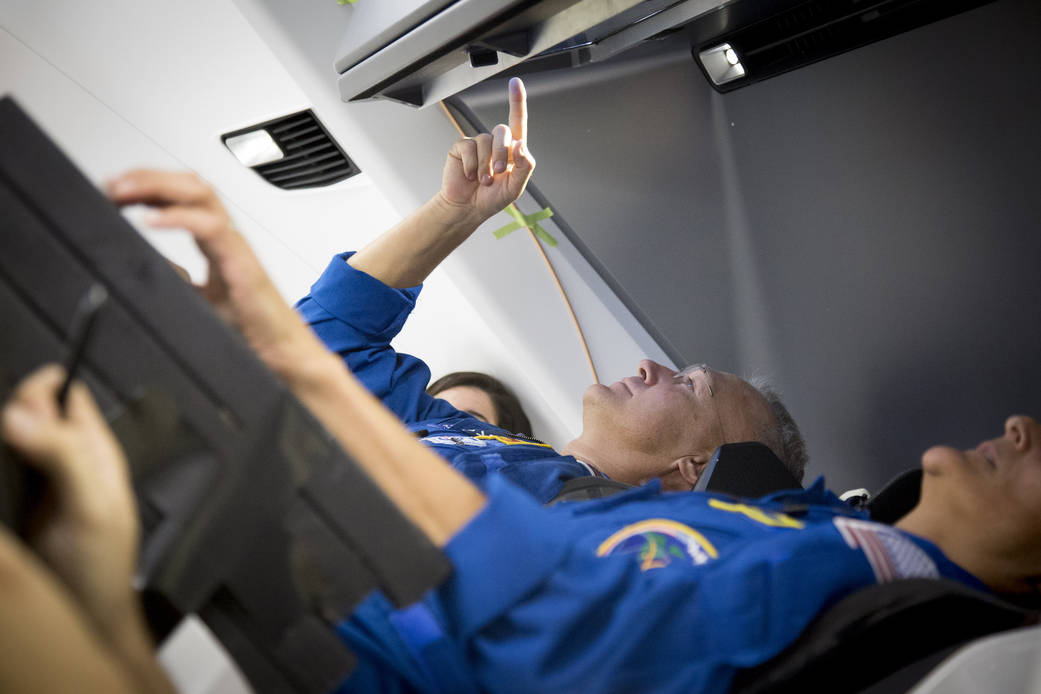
x=890, y=554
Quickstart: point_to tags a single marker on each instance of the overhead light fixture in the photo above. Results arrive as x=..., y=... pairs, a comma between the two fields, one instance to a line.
x=255, y=148
x=745, y=41
x=722, y=64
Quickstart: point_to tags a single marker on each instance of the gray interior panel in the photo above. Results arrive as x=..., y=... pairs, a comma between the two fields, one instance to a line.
x=864, y=230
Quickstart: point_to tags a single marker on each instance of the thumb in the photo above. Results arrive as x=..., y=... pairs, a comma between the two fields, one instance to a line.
x=20, y=426
x=33, y=434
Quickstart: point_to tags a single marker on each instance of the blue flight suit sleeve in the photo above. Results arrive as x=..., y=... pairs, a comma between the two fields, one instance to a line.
x=357, y=316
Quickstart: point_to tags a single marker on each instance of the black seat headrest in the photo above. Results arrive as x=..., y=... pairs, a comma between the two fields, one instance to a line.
x=748, y=469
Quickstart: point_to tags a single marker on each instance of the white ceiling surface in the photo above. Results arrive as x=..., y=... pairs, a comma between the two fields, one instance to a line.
x=123, y=84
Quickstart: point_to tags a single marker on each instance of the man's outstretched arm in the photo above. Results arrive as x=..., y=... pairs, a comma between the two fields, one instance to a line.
x=482, y=175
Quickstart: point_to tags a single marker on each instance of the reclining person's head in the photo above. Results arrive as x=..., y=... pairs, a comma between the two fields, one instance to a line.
x=982, y=506
x=483, y=396
x=668, y=424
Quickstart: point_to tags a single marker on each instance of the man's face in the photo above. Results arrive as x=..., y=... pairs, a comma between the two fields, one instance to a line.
x=995, y=488
x=668, y=414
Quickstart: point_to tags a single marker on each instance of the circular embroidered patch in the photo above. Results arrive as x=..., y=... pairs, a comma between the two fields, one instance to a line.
x=659, y=542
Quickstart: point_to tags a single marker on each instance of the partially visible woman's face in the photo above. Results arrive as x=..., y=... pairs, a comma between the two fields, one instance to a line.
x=996, y=486
x=471, y=400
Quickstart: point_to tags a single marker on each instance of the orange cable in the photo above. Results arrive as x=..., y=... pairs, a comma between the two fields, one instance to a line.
x=549, y=266
x=451, y=118
x=567, y=303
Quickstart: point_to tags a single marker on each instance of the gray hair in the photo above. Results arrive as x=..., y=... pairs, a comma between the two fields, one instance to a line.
x=785, y=439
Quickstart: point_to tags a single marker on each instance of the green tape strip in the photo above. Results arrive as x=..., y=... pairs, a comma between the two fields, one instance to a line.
x=528, y=221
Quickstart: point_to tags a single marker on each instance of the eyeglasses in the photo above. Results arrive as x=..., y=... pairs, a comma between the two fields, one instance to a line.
x=684, y=376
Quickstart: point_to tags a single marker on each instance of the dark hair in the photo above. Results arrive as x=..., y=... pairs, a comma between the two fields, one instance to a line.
x=508, y=409
x=785, y=440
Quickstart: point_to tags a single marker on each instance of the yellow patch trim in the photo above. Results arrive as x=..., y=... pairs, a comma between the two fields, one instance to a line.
x=774, y=520
x=511, y=441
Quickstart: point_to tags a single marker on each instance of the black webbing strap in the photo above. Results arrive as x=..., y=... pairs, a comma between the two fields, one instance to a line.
x=876, y=631
x=585, y=488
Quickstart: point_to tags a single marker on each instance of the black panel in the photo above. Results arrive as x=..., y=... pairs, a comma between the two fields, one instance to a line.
x=224, y=461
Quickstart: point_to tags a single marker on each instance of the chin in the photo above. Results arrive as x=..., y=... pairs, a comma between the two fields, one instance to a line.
x=594, y=400
x=595, y=393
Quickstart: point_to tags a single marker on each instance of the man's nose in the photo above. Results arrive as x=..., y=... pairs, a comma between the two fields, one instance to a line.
x=652, y=372
x=1018, y=430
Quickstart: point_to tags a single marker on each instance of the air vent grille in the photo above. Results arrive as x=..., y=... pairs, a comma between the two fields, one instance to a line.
x=310, y=157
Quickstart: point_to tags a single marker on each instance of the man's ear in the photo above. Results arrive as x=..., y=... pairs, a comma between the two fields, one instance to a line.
x=691, y=467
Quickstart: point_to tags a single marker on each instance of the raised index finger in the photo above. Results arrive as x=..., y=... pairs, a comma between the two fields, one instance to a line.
x=518, y=110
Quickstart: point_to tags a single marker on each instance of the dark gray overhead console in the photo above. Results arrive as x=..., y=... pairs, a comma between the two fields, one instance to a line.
x=422, y=51
x=746, y=41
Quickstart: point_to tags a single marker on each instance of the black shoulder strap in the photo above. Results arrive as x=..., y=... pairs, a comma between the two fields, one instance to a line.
x=585, y=488
x=747, y=469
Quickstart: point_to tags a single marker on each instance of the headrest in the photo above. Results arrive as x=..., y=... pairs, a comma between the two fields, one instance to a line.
x=748, y=469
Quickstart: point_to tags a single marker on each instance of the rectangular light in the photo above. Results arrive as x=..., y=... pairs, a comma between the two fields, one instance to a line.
x=254, y=148
x=722, y=63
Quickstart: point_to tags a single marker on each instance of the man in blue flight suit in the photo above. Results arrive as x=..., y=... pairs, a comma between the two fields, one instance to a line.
x=655, y=592
x=653, y=425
